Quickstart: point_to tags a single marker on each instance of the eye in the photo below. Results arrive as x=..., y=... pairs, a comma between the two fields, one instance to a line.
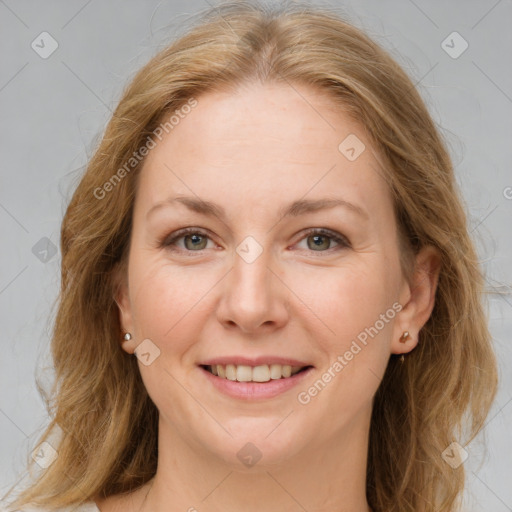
x=194, y=240
x=320, y=240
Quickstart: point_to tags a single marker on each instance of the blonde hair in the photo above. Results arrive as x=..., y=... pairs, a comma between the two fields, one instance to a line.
x=442, y=393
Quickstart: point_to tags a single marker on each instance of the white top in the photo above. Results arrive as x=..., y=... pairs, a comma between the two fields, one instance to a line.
x=90, y=506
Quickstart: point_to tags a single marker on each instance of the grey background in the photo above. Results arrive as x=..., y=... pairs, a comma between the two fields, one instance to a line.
x=54, y=110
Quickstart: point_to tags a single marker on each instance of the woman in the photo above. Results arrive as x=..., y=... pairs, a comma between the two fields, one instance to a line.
x=270, y=298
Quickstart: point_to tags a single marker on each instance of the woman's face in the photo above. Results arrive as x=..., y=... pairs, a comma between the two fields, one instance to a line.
x=253, y=283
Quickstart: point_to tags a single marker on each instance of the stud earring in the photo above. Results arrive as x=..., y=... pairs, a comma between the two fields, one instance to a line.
x=127, y=337
x=404, y=337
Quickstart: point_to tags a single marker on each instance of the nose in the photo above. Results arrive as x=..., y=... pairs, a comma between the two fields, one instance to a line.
x=254, y=298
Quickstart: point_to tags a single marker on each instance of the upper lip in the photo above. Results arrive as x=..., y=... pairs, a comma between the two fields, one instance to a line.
x=254, y=361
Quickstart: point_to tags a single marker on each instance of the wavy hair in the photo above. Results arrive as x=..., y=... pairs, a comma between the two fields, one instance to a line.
x=98, y=405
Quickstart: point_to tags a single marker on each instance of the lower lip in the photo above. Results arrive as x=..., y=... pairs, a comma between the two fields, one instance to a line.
x=255, y=390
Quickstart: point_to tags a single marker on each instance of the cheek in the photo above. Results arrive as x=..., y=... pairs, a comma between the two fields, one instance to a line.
x=355, y=305
x=346, y=300
x=350, y=303
x=168, y=309
x=171, y=303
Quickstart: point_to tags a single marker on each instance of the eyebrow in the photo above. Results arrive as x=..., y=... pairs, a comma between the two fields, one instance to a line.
x=294, y=209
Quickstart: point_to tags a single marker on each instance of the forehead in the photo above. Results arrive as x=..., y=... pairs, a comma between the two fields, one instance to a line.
x=263, y=141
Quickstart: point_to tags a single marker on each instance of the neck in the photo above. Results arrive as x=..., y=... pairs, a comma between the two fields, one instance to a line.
x=328, y=475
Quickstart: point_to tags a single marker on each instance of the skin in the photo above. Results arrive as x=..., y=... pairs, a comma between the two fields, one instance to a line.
x=252, y=152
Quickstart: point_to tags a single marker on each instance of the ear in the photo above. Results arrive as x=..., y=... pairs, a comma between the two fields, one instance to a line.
x=122, y=299
x=417, y=299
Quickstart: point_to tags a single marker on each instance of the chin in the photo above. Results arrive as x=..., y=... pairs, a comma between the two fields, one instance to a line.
x=257, y=442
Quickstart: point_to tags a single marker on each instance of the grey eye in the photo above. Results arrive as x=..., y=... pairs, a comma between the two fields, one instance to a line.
x=319, y=242
x=196, y=240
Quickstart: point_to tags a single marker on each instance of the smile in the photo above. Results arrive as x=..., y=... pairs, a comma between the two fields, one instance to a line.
x=254, y=382
x=261, y=373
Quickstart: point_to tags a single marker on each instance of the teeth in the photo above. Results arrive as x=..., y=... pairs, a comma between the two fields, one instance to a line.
x=286, y=371
x=262, y=373
x=231, y=372
x=275, y=371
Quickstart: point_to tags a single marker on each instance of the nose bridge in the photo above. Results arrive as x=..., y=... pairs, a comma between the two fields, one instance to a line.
x=252, y=295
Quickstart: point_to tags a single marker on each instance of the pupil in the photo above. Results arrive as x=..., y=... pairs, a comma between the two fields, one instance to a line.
x=195, y=239
x=317, y=240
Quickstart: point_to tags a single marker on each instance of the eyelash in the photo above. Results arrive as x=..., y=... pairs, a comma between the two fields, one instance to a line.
x=336, y=237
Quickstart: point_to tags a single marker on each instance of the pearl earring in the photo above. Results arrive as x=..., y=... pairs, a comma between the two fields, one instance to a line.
x=127, y=336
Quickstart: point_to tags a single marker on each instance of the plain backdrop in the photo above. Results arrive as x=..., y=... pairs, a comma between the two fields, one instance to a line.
x=53, y=111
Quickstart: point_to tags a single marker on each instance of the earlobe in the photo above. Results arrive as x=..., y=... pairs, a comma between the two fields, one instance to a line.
x=128, y=343
x=122, y=299
x=421, y=292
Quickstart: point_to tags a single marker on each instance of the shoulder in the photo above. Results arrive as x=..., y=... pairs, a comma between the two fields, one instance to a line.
x=90, y=506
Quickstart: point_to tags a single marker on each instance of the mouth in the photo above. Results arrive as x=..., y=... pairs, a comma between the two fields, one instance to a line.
x=261, y=373
x=255, y=378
